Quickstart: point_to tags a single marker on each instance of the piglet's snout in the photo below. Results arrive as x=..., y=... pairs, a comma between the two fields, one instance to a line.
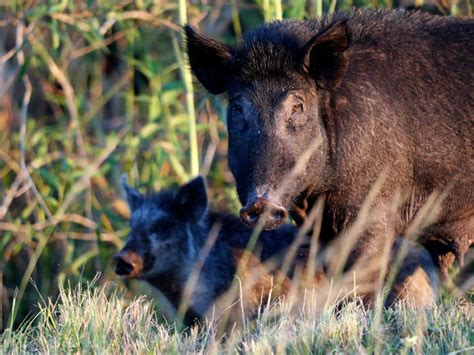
x=128, y=263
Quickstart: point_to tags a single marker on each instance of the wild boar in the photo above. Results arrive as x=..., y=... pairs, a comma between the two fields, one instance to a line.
x=332, y=107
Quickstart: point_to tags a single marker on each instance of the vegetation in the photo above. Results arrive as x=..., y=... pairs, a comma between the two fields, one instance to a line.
x=87, y=320
x=92, y=90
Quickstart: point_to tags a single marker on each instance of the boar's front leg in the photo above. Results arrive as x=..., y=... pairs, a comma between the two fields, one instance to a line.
x=376, y=252
x=301, y=207
x=416, y=281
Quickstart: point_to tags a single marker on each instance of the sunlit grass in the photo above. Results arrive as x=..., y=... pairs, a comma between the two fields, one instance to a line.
x=91, y=319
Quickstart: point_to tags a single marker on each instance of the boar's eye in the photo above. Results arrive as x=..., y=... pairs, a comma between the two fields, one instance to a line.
x=239, y=118
x=298, y=108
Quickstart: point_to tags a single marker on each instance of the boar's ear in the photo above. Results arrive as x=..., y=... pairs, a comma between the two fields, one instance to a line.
x=192, y=199
x=210, y=61
x=134, y=198
x=326, y=56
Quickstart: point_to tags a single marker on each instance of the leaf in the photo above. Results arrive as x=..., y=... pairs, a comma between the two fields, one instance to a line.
x=49, y=178
x=149, y=130
x=55, y=33
x=121, y=208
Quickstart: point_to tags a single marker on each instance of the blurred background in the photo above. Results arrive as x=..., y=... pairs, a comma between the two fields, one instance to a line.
x=91, y=90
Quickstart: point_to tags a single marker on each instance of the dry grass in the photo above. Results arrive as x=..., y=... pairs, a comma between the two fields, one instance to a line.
x=90, y=319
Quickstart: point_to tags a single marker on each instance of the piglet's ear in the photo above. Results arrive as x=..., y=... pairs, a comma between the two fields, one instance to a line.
x=134, y=198
x=210, y=61
x=192, y=199
x=326, y=56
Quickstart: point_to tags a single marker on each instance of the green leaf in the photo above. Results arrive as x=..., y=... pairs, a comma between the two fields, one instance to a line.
x=55, y=33
x=149, y=130
x=49, y=178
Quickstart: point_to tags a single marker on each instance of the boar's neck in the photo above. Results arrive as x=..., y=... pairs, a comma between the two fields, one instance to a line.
x=231, y=228
x=231, y=233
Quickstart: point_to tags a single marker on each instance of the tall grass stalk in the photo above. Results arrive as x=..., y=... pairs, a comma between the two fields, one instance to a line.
x=188, y=84
x=29, y=271
x=236, y=20
x=318, y=8
x=267, y=16
x=278, y=10
x=332, y=7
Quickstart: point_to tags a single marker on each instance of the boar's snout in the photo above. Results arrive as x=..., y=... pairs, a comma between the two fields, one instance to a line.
x=275, y=215
x=128, y=263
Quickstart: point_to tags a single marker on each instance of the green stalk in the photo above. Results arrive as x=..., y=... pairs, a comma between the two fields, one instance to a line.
x=332, y=7
x=278, y=10
x=469, y=7
x=266, y=10
x=130, y=92
x=318, y=8
x=43, y=240
x=236, y=20
x=188, y=84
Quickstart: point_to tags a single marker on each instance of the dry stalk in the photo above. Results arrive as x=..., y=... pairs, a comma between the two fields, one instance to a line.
x=10, y=195
x=92, y=169
x=196, y=271
x=141, y=16
x=97, y=45
x=23, y=118
x=68, y=90
x=17, y=189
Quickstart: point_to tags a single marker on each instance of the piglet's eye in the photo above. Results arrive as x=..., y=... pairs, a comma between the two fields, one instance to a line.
x=298, y=108
x=161, y=226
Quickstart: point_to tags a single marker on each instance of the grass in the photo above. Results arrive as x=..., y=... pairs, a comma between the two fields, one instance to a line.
x=100, y=320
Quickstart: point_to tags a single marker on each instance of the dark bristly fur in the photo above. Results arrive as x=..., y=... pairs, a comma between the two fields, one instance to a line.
x=385, y=93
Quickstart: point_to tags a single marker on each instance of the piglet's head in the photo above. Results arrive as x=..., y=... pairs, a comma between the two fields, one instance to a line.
x=161, y=240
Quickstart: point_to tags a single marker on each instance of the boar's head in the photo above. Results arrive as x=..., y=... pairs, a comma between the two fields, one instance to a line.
x=277, y=83
x=162, y=240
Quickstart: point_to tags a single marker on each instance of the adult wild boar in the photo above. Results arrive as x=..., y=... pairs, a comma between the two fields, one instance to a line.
x=348, y=101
